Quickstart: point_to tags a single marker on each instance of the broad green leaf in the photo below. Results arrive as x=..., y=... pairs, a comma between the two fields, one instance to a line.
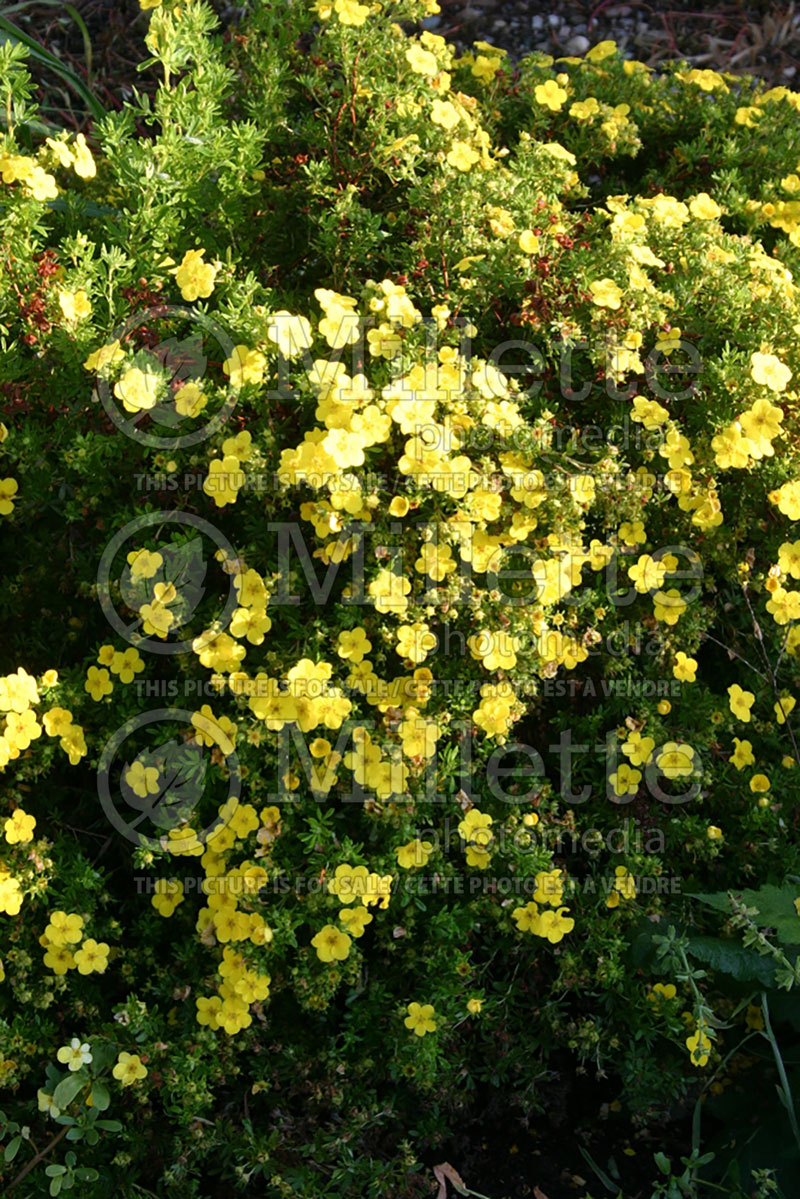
x=100, y=1096
x=12, y=1149
x=732, y=958
x=68, y=1088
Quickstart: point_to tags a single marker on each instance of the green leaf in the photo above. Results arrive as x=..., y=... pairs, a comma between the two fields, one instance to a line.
x=11, y=32
x=718, y=900
x=775, y=908
x=103, y=1054
x=12, y=1149
x=68, y=1088
x=601, y=1174
x=731, y=958
x=663, y=1162
x=100, y=1096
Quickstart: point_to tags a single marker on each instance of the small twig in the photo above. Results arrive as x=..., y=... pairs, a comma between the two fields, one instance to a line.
x=35, y=1160
x=728, y=650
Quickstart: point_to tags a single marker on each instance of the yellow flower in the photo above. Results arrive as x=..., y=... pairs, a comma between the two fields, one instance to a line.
x=168, y=894
x=143, y=780
x=19, y=827
x=698, y=1045
x=474, y=1005
x=291, y=334
x=742, y=755
x=787, y=499
x=105, y=356
x=355, y=920
x=64, y=928
x=713, y=833
x=748, y=116
x=661, y=991
x=244, y=366
x=684, y=668
x=624, y=887
x=144, y=564
x=75, y=305
x=703, y=208
x=647, y=574
x=422, y=62
x=762, y=424
x=98, y=683
x=8, y=491
x=414, y=853
x=353, y=646
x=789, y=558
x=331, y=944
x=754, y=1018
x=731, y=448
x=350, y=12
x=707, y=81
x=624, y=780
x=676, y=760
x=420, y=1018
x=740, y=702
x=600, y=51
x=584, y=110
x=138, y=390
x=668, y=606
x=783, y=707
x=605, y=293
x=40, y=185
x=224, y=480
x=75, y=1055
x=769, y=371
x=759, y=784
x=84, y=165
x=648, y=412
x=129, y=1069
x=415, y=641
x=550, y=95
x=444, y=114
x=554, y=925
x=92, y=957
x=462, y=156
x=10, y=894
x=195, y=277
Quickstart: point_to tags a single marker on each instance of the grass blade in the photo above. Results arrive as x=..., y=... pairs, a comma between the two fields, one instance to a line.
x=8, y=30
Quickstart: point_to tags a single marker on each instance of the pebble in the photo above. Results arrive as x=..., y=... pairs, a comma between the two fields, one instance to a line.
x=638, y=34
x=577, y=45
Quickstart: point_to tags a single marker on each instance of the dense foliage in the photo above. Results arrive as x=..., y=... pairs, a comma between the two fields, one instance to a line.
x=399, y=477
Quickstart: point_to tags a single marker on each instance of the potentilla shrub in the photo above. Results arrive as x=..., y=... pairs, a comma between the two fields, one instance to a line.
x=398, y=483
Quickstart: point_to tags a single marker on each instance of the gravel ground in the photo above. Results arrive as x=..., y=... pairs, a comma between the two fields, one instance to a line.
x=760, y=37
x=757, y=38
